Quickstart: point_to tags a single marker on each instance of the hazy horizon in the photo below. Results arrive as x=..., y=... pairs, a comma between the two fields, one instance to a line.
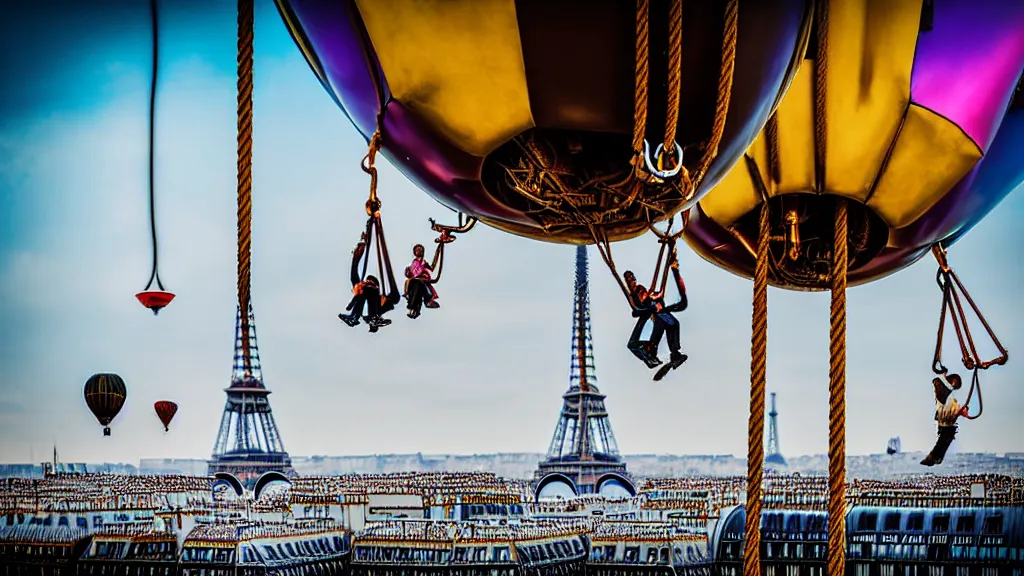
x=483, y=374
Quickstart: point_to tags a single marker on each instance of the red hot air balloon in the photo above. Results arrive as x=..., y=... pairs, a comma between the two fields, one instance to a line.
x=165, y=410
x=105, y=394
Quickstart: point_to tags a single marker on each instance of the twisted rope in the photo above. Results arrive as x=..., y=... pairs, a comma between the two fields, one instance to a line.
x=837, y=400
x=675, y=73
x=725, y=78
x=758, y=378
x=820, y=92
x=772, y=133
x=640, y=85
x=245, y=78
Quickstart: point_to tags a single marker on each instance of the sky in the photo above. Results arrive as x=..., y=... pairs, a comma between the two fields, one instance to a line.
x=482, y=374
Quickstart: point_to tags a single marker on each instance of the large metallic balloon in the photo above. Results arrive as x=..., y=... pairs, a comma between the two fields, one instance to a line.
x=486, y=97
x=104, y=395
x=923, y=137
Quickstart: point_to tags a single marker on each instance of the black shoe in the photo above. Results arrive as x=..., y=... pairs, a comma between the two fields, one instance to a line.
x=675, y=361
x=651, y=356
x=376, y=321
x=929, y=460
x=351, y=320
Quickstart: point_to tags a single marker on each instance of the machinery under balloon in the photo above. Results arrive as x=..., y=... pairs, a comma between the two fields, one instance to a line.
x=901, y=110
x=534, y=116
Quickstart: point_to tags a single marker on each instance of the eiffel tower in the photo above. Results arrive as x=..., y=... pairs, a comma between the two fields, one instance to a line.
x=583, y=452
x=774, y=456
x=248, y=443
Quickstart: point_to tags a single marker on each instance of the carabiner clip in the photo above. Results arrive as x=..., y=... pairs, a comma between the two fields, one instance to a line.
x=663, y=174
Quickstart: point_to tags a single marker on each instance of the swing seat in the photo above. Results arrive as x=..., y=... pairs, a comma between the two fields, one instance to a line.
x=155, y=300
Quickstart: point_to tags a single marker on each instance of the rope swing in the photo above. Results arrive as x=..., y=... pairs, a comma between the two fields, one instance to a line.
x=155, y=300
x=651, y=174
x=952, y=290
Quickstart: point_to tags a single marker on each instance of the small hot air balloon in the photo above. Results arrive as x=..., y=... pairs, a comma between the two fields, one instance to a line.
x=165, y=410
x=105, y=394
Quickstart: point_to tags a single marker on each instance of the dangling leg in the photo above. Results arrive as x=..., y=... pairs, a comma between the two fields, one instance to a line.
x=640, y=348
x=946, y=436
x=413, y=297
x=654, y=342
x=671, y=327
x=355, y=308
x=374, y=309
x=430, y=296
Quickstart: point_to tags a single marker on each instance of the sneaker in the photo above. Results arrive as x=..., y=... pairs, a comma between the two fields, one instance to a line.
x=652, y=355
x=929, y=460
x=432, y=304
x=376, y=321
x=675, y=361
x=413, y=314
x=351, y=320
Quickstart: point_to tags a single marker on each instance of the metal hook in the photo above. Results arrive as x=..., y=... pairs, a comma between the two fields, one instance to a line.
x=663, y=174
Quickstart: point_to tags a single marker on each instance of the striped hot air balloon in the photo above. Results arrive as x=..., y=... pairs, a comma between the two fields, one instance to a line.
x=105, y=395
x=911, y=111
x=531, y=114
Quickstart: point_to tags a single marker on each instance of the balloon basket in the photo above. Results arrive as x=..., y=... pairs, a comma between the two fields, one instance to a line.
x=155, y=300
x=106, y=431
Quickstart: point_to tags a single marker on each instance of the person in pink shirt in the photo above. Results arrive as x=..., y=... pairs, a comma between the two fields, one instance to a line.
x=419, y=290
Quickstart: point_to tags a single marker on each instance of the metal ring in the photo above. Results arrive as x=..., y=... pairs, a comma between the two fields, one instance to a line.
x=661, y=148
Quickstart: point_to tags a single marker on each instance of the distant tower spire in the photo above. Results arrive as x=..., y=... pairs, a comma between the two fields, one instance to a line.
x=583, y=447
x=774, y=455
x=248, y=442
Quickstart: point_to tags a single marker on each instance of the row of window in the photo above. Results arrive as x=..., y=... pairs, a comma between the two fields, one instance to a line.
x=561, y=550
x=323, y=546
x=933, y=552
x=940, y=522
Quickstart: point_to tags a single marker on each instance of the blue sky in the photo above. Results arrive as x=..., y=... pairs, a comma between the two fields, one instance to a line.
x=483, y=374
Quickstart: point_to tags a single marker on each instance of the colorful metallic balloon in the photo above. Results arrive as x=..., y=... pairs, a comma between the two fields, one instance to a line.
x=165, y=410
x=105, y=395
x=922, y=135
x=485, y=100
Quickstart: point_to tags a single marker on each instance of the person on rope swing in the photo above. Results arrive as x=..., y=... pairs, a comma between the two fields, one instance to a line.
x=947, y=410
x=651, y=306
x=365, y=292
x=419, y=291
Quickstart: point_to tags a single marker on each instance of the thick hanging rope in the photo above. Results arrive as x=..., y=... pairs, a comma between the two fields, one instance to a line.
x=758, y=381
x=640, y=98
x=154, y=274
x=675, y=74
x=245, y=79
x=837, y=400
x=640, y=85
x=725, y=78
x=820, y=93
